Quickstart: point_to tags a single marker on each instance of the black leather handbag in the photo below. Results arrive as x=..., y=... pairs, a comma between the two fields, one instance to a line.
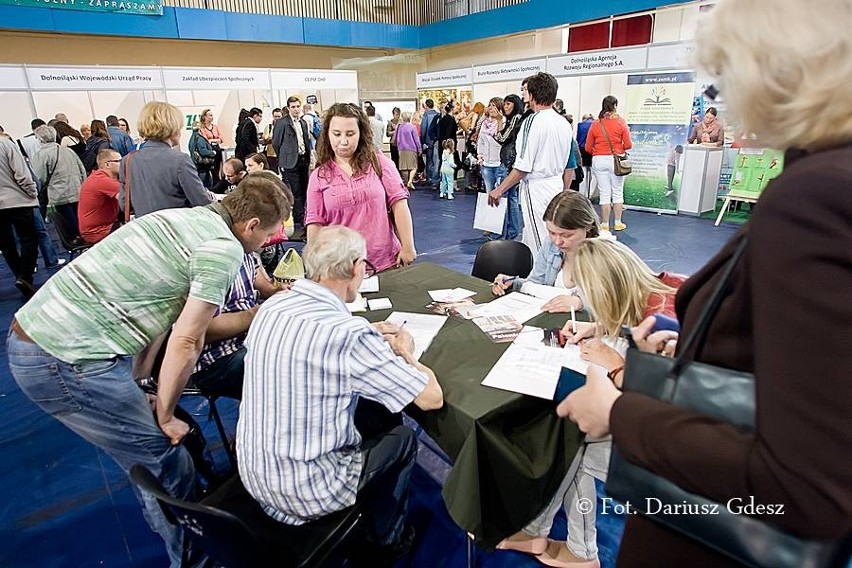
x=728, y=396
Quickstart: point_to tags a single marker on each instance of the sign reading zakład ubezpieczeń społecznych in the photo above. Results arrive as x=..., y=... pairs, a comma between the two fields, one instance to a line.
x=147, y=7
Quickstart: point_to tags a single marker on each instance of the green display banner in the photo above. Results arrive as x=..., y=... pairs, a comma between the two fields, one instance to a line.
x=149, y=7
x=657, y=108
x=753, y=169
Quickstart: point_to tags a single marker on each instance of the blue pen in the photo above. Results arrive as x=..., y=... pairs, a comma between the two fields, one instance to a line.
x=508, y=279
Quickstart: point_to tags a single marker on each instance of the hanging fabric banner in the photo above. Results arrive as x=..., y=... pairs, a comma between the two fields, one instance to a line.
x=658, y=110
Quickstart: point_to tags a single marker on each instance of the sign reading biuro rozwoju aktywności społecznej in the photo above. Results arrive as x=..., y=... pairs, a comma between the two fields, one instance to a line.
x=146, y=7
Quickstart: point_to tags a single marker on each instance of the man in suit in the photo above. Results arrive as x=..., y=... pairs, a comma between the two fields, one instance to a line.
x=247, y=139
x=292, y=142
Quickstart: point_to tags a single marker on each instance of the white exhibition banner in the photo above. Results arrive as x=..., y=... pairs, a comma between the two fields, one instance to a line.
x=94, y=78
x=598, y=62
x=307, y=79
x=13, y=79
x=679, y=55
x=511, y=71
x=181, y=79
x=448, y=78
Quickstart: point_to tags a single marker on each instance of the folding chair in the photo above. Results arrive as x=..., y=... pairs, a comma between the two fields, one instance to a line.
x=233, y=530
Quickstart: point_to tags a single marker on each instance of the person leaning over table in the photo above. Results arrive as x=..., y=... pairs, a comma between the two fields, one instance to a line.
x=357, y=187
x=570, y=219
x=770, y=322
x=69, y=347
x=621, y=290
x=311, y=361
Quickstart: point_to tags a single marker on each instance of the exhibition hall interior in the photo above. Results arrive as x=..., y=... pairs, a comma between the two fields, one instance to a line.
x=425, y=283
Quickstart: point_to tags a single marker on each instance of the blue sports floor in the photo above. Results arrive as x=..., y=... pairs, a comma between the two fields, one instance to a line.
x=63, y=503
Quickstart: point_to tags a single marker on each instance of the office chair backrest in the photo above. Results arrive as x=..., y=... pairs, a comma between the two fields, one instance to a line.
x=512, y=258
x=219, y=534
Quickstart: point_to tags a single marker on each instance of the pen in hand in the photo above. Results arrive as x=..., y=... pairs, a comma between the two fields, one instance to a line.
x=573, y=322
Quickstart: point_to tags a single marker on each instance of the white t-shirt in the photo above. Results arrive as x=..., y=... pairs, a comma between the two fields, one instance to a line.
x=543, y=145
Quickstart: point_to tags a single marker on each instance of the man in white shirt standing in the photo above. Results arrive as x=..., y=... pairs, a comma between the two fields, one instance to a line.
x=308, y=363
x=543, y=147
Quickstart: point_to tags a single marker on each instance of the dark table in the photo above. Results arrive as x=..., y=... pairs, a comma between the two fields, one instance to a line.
x=510, y=451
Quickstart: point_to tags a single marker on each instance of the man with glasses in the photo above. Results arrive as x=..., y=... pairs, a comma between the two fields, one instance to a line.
x=97, y=211
x=233, y=172
x=309, y=363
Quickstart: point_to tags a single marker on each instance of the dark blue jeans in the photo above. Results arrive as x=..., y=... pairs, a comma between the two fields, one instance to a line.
x=224, y=377
x=385, y=473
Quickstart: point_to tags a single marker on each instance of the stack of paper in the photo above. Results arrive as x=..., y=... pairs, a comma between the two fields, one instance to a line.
x=527, y=369
x=519, y=306
x=370, y=284
x=359, y=304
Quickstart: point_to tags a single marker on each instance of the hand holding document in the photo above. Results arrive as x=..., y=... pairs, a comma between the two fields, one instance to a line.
x=487, y=218
x=422, y=327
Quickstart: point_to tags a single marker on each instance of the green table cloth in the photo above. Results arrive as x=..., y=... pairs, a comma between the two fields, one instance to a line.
x=510, y=451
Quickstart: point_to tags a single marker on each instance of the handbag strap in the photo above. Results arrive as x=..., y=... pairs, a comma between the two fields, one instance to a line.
x=699, y=334
x=606, y=134
x=127, y=186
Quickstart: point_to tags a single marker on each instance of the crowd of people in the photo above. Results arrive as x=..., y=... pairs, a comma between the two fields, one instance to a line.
x=174, y=274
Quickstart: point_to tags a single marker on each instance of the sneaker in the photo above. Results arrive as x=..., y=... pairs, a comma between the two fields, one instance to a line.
x=605, y=227
x=619, y=226
x=450, y=196
x=59, y=262
x=669, y=192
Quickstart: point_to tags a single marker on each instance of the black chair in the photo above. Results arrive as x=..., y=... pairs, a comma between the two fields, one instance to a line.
x=74, y=244
x=512, y=258
x=233, y=530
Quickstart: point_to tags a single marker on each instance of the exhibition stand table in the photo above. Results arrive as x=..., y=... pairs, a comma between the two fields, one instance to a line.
x=510, y=451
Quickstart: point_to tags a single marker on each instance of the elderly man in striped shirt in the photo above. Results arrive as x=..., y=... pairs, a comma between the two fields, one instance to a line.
x=308, y=362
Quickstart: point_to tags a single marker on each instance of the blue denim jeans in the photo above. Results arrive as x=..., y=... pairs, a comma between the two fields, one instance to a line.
x=45, y=243
x=100, y=401
x=512, y=225
x=433, y=163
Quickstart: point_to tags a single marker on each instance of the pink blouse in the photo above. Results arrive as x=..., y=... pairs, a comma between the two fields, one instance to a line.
x=361, y=203
x=210, y=132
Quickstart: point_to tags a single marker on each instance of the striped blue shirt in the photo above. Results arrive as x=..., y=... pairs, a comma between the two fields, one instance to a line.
x=307, y=362
x=241, y=296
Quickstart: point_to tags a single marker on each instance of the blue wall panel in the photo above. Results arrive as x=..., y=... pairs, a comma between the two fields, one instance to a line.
x=185, y=23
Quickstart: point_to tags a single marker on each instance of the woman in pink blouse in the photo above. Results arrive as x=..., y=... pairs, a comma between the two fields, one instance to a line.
x=355, y=186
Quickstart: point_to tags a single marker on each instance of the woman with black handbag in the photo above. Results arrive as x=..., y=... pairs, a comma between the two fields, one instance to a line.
x=773, y=308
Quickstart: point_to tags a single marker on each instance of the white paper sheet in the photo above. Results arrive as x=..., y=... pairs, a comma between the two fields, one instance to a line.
x=541, y=291
x=520, y=306
x=370, y=284
x=423, y=327
x=489, y=218
x=527, y=369
x=453, y=295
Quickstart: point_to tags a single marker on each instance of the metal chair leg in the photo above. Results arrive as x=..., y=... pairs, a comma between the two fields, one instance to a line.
x=211, y=401
x=470, y=551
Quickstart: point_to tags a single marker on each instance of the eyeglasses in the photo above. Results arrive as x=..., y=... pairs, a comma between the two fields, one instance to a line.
x=112, y=161
x=369, y=269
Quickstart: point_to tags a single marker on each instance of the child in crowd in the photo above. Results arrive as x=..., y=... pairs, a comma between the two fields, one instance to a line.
x=447, y=169
x=620, y=290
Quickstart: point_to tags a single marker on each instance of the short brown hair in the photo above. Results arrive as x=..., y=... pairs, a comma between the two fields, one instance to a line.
x=159, y=121
x=260, y=195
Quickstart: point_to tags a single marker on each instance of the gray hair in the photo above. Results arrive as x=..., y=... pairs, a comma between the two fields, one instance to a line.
x=45, y=134
x=406, y=117
x=332, y=252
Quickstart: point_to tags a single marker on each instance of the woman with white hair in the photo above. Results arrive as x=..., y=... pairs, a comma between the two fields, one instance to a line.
x=785, y=313
x=61, y=173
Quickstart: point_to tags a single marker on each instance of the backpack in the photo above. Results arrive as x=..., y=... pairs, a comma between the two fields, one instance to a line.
x=317, y=128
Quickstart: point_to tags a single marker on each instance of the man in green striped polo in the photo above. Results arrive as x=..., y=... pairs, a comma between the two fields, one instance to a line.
x=70, y=345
